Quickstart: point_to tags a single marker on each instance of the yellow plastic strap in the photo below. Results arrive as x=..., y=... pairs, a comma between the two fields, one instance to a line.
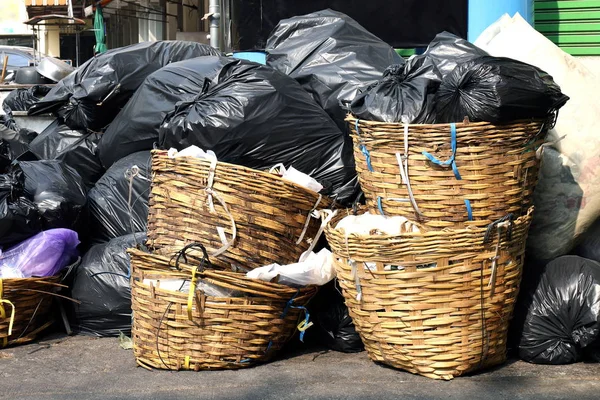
x=302, y=326
x=3, y=314
x=186, y=362
x=191, y=294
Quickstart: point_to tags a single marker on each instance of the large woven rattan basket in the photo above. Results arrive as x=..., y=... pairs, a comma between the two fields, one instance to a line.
x=188, y=330
x=438, y=303
x=448, y=175
x=26, y=308
x=246, y=217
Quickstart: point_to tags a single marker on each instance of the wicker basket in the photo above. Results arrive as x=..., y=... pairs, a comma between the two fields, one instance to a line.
x=175, y=330
x=263, y=219
x=434, y=303
x=497, y=167
x=25, y=308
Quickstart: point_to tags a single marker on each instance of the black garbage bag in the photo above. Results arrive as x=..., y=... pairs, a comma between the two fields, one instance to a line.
x=18, y=139
x=19, y=217
x=91, y=96
x=497, y=90
x=101, y=284
x=255, y=116
x=57, y=191
x=136, y=127
x=333, y=326
x=77, y=149
x=331, y=55
x=445, y=52
x=23, y=99
x=403, y=95
x=589, y=243
x=6, y=156
x=110, y=215
x=563, y=321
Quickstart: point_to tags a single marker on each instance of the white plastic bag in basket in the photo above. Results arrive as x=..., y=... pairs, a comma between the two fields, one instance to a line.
x=317, y=269
x=192, y=151
x=373, y=224
x=293, y=175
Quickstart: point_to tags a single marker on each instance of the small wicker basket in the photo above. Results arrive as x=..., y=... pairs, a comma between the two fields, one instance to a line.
x=244, y=216
x=188, y=330
x=437, y=303
x=26, y=308
x=448, y=175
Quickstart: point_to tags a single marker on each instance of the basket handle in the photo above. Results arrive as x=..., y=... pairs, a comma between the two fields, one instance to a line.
x=182, y=254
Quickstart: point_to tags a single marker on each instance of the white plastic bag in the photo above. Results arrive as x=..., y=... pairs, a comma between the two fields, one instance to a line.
x=375, y=224
x=316, y=269
x=192, y=151
x=567, y=198
x=293, y=175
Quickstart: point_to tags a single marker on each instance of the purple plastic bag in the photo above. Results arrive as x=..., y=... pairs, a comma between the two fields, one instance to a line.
x=44, y=254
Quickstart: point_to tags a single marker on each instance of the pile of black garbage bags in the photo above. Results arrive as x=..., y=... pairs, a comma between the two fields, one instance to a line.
x=90, y=169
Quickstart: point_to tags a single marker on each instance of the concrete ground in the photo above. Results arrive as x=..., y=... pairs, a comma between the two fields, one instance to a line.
x=81, y=367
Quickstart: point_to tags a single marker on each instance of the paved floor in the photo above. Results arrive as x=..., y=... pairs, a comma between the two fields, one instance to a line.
x=80, y=367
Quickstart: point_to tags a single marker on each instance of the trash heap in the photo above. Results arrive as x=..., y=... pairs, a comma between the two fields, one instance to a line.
x=200, y=187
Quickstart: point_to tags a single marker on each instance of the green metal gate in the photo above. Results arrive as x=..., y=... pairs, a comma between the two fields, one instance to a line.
x=574, y=25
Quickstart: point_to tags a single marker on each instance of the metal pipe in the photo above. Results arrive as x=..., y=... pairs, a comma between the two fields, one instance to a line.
x=214, y=11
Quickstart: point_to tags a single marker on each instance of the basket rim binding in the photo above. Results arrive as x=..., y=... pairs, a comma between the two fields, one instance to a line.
x=425, y=231
x=163, y=154
x=164, y=264
x=550, y=121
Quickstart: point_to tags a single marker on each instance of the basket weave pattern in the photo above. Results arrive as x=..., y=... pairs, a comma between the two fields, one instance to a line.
x=170, y=331
x=270, y=213
x=32, y=300
x=497, y=166
x=441, y=313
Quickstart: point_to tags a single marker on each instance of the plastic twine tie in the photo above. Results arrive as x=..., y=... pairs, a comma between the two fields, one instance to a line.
x=3, y=314
x=380, y=206
x=469, y=209
x=363, y=148
x=452, y=160
x=326, y=216
x=304, y=324
x=452, y=163
x=308, y=217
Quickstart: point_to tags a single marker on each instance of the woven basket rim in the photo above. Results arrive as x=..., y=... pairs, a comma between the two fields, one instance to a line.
x=462, y=124
x=246, y=170
x=423, y=234
x=51, y=280
x=278, y=288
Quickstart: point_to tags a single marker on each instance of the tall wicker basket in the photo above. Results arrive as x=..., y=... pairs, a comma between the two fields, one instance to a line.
x=437, y=303
x=189, y=330
x=244, y=216
x=448, y=175
x=25, y=308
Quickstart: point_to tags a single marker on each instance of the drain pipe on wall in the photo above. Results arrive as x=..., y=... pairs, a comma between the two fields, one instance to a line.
x=214, y=17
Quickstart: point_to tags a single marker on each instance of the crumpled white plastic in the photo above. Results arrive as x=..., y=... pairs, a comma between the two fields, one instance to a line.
x=375, y=224
x=316, y=269
x=192, y=151
x=300, y=178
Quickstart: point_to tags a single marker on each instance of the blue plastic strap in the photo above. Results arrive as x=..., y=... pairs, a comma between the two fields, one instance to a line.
x=380, y=206
x=289, y=304
x=469, y=209
x=363, y=148
x=452, y=160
